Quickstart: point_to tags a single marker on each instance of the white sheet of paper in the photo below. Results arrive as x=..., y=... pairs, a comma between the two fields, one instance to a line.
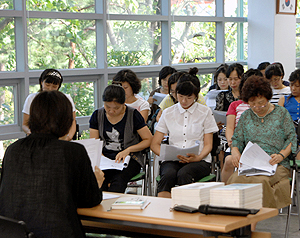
x=159, y=97
x=170, y=152
x=94, y=149
x=109, y=196
x=107, y=163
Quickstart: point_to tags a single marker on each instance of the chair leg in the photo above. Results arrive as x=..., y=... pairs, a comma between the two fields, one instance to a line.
x=297, y=197
x=290, y=206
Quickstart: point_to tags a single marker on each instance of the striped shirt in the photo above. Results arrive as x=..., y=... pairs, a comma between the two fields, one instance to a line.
x=237, y=108
x=278, y=93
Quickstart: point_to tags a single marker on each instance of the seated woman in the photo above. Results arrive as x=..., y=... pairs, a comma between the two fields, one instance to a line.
x=44, y=180
x=271, y=127
x=164, y=75
x=262, y=67
x=186, y=122
x=274, y=75
x=132, y=85
x=171, y=98
x=221, y=82
x=50, y=79
x=233, y=115
x=123, y=132
x=234, y=75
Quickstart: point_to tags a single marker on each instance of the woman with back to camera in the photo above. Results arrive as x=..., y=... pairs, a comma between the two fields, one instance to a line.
x=44, y=180
x=186, y=122
x=132, y=85
x=50, y=79
x=124, y=132
x=271, y=127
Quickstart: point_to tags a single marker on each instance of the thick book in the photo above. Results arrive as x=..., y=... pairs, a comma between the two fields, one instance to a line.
x=136, y=202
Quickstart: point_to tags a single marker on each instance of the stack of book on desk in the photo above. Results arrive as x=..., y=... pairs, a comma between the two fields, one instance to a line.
x=238, y=195
x=134, y=202
x=193, y=194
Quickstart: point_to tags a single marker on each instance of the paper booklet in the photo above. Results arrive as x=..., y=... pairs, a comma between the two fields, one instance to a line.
x=107, y=163
x=94, y=149
x=170, y=152
x=220, y=116
x=255, y=161
x=135, y=202
x=159, y=97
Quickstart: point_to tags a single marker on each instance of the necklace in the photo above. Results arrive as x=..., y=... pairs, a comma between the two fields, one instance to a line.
x=262, y=117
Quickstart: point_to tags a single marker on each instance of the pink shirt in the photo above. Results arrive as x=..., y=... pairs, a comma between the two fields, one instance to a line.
x=237, y=108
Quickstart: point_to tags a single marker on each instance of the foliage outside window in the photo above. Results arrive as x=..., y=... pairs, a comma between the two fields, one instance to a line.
x=8, y=4
x=7, y=45
x=140, y=7
x=193, y=8
x=7, y=105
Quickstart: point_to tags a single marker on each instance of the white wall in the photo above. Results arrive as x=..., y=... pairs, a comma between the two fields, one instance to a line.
x=271, y=36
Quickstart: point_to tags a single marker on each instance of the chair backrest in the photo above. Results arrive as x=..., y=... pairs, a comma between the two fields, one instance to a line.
x=10, y=228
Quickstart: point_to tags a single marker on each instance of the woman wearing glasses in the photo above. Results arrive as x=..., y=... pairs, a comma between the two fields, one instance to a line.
x=271, y=127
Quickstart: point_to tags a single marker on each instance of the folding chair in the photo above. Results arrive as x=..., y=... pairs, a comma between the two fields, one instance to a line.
x=14, y=229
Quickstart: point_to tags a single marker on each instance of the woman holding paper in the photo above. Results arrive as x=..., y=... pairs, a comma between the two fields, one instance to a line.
x=123, y=132
x=271, y=127
x=44, y=180
x=186, y=123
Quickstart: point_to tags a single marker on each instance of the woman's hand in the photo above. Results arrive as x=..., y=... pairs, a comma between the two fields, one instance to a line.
x=99, y=176
x=236, y=156
x=220, y=125
x=121, y=155
x=189, y=158
x=276, y=159
x=151, y=100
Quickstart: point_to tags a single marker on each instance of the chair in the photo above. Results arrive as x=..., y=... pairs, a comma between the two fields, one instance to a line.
x=11, y=228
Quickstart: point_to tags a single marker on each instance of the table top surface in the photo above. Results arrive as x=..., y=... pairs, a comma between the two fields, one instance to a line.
x=158, y=212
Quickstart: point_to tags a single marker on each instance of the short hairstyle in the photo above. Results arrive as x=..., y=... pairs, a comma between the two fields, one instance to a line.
x=221, y=69
x=295, y=76
x=281, y=67
x=174, y=79
x=127, y=75
x=189, y=83
x=51, y=76
x=273, y=70
x=263, y=65
x=114, y=93
x=256, y=86
x=50, y=113
x=237, y=67
x=246, y=75
x=164, y=72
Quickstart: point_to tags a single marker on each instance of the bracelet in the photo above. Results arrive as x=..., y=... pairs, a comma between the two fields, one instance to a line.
x=281, y=155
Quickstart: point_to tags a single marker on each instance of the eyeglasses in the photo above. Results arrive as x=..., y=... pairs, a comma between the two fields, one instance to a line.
x=275, y=79
x=258, y=106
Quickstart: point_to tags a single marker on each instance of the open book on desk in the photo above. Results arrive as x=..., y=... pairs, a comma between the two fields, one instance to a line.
x=170, y=152
x=255, y=161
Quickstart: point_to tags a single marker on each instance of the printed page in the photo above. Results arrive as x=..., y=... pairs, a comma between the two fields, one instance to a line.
x=94, y=149
x=107, y=163
x=170, y=152
x=159, y=97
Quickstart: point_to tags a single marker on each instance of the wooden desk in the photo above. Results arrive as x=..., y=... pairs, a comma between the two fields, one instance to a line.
x=158, y=219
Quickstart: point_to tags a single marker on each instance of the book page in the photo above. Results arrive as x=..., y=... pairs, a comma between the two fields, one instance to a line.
x=159, y=97
x=107, y=163
x=94, y=149
x=170, y=152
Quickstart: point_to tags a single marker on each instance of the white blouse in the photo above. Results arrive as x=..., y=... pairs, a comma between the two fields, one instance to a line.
x=186, y=126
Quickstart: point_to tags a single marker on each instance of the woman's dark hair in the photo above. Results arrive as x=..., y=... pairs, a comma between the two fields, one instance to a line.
x=237, y=67
x=263, y=65
x=246, y=75
x=273, y=70
x=221, y=69
x=281, y=67
x=294, y=77
x=114, y=93
x=189, y=84
x=174, y=79
x=50, y=113
x=256, y=86
x=51, y=76
x=164, y=72
x=127, y=75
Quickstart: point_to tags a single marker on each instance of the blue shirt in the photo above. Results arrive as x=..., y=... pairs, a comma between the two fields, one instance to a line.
x=292, y=106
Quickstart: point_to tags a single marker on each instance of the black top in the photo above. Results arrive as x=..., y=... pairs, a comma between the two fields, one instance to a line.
x=44, y=180
x=224, y=99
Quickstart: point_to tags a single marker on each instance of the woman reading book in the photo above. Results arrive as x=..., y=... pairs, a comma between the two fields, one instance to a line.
x=271, y=127
x=124, y=132
x=186, y=122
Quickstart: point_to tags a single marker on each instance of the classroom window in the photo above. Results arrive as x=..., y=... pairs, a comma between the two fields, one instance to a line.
x=140, y=7
x=7, y=115
x=61, y=43
x=7, y=45
x=231, y=41
x=193, y=42
x=83, y=6
x=236, y=8
x=132, y=43
x=193, y=8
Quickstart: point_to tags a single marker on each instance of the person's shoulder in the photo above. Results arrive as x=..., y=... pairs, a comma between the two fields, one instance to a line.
x=31, y=96
x=202, y=108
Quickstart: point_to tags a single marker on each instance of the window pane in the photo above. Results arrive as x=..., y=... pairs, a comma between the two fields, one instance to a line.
x=62, y=44
x=7, y=115
x=205, y=82
x=245, y=38
x=65, y=6
x=133, y=43
x=7, y=45
x=82, y=94
x=236, y=8
x=6, y=4
x=230, y=41
x=297, y=40
x=193, y=8
x=193, y=42
x=140, y=7
x=146, y=88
